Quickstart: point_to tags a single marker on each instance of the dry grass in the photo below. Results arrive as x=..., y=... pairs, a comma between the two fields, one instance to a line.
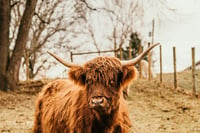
x=156, y=108
x=184, y=80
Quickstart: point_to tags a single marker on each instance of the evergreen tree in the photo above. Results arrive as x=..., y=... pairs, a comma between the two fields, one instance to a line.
x=135, y=42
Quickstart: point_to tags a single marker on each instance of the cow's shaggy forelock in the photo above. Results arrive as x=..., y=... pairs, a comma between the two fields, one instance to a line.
x=105, y=70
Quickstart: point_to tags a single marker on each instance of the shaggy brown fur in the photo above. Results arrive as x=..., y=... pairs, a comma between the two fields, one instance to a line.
x=65, y=106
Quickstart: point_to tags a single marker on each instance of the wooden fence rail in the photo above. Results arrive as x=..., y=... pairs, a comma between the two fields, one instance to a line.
x=91, y=52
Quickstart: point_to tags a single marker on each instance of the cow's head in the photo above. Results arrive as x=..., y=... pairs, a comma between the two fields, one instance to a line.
x=103, y=78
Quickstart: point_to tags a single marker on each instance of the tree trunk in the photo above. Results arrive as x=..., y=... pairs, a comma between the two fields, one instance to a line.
x=115, y=42
x=20, y=44
x=4, y=41
x=115, y=48
x=26, y=57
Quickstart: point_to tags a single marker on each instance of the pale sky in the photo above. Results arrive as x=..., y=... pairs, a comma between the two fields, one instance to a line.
x=183, y=33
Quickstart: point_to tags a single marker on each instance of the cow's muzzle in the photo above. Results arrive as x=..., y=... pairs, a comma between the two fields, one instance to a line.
x=99, y=103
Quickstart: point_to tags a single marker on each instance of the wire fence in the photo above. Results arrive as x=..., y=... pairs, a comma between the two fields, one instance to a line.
x=187, y=81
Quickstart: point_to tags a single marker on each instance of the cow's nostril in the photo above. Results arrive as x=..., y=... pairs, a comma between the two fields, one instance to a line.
x=97, y=101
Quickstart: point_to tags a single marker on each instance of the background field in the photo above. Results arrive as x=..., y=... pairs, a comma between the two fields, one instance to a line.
x=153, y=108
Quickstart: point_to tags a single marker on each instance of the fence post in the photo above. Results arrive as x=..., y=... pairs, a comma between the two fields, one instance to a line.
x=160, y=64
x=115, y=48
x=120, y=53
x=71, y=56
x=140, y=66
x=130, y=51
x=149, y=62
x=175, y=74
x=193, y=72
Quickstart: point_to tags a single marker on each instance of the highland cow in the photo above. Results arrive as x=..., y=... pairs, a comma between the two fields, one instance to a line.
x=91, y=101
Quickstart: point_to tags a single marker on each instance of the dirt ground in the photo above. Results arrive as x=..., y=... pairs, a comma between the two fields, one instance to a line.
x=16, y=112
x=153, y=109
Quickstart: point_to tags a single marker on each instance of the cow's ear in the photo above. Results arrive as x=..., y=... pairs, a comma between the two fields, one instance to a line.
x=77, y=74
x=128, y=74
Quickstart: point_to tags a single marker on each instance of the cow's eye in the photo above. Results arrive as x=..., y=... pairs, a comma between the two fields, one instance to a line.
x=89, y=81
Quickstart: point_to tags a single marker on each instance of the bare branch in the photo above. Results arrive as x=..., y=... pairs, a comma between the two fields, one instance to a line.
x=43, y=21
x=93, y=37
x=15, y=3
x=40, y=67
x=87, y=5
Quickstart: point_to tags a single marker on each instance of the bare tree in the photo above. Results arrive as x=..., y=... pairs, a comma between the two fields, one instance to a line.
x=26, y=27
x=4, y=43
x=127, y=16
x=52, y=18
x=11, y=62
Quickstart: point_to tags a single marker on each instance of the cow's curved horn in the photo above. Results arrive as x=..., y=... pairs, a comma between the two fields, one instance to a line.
x=67, y=64
x=138, y=58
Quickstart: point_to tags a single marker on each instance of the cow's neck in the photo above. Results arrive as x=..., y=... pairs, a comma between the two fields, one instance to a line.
x=104, y=123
